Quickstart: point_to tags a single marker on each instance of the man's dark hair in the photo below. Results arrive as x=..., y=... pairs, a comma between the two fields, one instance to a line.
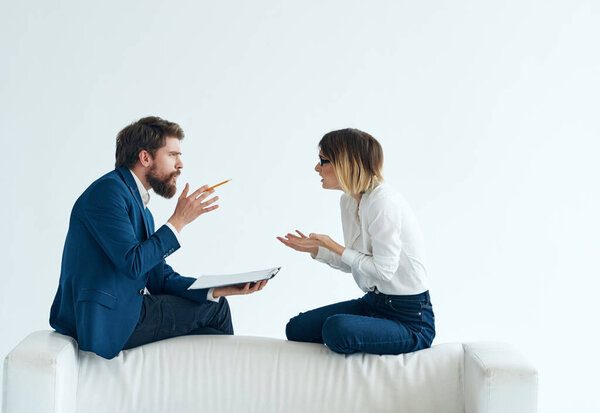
x=147, y=134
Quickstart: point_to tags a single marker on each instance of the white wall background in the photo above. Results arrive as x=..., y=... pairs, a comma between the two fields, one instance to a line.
x=487, y=113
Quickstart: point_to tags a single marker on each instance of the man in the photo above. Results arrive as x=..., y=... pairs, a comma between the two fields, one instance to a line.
x=116, y=291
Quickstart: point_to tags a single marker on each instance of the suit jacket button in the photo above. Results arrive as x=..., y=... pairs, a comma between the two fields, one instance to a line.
x=141, y=291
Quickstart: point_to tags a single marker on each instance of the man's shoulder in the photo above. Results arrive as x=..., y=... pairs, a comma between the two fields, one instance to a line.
x=104, y=188
x=111, y=181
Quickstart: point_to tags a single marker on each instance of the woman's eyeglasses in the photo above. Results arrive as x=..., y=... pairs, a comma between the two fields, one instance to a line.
x=323, y=161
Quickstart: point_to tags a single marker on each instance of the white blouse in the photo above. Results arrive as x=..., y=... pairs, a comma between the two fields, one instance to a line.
x=384, y=245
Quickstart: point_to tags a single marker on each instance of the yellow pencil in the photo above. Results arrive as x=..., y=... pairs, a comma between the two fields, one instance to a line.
x=214, y=186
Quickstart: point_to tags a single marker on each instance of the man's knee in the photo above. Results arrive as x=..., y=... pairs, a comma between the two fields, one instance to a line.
x=215, y=317
x=224, y=306
x=225, y=315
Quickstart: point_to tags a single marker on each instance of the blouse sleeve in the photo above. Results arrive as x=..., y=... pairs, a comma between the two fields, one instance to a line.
x=332, y=259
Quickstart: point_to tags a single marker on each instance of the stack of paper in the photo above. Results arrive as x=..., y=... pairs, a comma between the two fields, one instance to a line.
x=209, y=281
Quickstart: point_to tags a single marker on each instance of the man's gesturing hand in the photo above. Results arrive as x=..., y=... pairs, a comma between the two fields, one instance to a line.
x=191, y=207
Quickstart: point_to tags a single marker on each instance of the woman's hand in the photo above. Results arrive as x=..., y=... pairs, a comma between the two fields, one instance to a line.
x=300, y=243
x=326, y=242
x=311, y=243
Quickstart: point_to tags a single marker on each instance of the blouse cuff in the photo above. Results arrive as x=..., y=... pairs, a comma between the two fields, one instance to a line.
x=321, y=254
x=349, y=256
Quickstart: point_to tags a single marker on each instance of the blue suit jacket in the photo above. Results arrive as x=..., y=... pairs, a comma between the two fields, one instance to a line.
x=110, y=254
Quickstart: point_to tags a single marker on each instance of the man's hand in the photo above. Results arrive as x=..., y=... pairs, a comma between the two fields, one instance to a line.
x=239, y=289
x=191, y=207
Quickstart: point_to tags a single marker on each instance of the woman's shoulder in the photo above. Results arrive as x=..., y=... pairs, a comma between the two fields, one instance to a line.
x=385, y=196
x=346, y=201
x=384, y=191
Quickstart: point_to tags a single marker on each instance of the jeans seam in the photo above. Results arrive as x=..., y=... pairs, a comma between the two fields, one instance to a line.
x=361, y=345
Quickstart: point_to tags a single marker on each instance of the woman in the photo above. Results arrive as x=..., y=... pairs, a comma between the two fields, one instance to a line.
x=383, y=251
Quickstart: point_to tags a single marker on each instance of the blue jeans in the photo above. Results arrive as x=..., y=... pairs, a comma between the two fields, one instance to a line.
x=164, y=316
x=376, y=323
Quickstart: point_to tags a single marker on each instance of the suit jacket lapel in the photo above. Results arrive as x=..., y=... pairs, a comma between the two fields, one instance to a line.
x=130, y=182
x=149, y=221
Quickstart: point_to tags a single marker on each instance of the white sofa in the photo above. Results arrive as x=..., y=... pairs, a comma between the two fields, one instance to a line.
x=47, y=373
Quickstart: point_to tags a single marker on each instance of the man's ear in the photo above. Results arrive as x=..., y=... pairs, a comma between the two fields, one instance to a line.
x=145, y=158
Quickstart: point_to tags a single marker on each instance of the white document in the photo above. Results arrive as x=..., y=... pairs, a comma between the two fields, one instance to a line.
x=209, y=281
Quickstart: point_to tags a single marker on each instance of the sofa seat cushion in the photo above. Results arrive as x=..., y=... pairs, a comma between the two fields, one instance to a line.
x=252, y=374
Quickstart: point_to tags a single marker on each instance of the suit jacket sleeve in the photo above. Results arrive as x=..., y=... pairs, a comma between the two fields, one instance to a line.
x=106, y=216
x=165, y=280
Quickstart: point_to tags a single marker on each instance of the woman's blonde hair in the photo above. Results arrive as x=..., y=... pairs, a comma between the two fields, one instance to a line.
x=356, y=157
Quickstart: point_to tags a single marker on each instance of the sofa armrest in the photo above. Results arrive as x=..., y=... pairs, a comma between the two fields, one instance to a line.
x=498, y=379
x=40, y=374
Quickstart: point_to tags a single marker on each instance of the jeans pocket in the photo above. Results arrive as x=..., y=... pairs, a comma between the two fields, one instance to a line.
x=406, y=309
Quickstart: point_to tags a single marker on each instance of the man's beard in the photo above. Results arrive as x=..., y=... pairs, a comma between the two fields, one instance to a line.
x=162, y=187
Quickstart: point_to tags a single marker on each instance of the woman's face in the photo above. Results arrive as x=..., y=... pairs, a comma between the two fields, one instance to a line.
x=329, y=180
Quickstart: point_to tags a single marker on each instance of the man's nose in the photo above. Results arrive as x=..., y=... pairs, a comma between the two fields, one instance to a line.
x=318, y=167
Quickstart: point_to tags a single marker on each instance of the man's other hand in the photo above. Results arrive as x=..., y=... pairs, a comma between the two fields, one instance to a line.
x=239, y=289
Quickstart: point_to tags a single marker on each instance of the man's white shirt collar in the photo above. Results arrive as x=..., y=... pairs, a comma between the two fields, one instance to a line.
x=143, y=191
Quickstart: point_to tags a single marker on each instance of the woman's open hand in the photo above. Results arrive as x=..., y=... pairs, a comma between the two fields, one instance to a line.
x=311, y=243
x=325, y=241
x=300, y=243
